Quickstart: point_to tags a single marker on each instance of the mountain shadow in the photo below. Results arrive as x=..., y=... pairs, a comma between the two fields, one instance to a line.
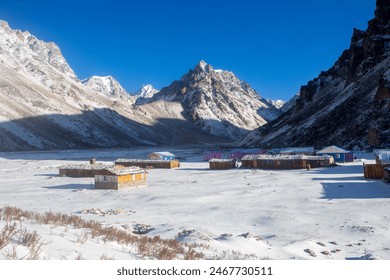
x=100, y=128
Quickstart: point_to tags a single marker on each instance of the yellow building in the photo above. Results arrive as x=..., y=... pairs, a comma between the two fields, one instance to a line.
x=120, y=177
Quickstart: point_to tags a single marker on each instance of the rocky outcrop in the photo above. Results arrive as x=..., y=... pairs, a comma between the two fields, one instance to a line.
x=345, y=105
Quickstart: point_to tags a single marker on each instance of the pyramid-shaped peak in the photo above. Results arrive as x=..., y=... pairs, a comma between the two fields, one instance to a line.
x=203, y=66
x=146, y=91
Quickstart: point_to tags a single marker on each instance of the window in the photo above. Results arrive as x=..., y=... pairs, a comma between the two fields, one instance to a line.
x=337, y=155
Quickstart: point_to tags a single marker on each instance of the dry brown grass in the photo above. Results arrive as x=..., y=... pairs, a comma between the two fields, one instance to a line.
x=82, y=238
x=12, y=233
x=146, y=247
x=11, y=254
x=7, y=233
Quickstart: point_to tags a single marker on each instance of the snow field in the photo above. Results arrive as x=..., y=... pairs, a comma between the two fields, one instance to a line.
x=236, y=214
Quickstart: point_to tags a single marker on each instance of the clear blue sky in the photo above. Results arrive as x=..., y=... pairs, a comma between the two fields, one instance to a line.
x=276, y=46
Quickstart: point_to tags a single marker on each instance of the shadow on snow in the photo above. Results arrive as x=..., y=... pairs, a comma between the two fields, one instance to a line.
x=355, y=190
x=71, y=187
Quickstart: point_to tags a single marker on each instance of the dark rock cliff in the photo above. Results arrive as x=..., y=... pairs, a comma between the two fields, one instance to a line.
x=346, y=105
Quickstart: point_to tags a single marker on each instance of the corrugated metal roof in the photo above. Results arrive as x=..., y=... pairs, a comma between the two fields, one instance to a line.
x=333, y=150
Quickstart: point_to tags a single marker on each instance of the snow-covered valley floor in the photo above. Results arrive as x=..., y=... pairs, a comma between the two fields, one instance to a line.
x=324, y=213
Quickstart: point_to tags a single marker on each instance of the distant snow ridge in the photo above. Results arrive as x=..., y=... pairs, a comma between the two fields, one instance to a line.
x=278, y=104
x=106, y=85
x=146, y=91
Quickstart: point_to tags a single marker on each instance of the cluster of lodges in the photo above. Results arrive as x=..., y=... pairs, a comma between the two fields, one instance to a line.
x=284, y=158
x=301, y=158
x=123, y=173
x=381, y=168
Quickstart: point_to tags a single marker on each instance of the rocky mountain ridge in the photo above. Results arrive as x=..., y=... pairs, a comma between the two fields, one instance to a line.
x=110, y=87
x=347, y=105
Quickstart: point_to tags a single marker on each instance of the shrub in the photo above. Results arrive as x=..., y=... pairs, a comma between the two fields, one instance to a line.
x=146, y=247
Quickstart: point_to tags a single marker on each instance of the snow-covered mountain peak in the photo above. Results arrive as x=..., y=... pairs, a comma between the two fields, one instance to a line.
x=218, y=102
x=21, y=50
x=146, y=91
x=202, y=69
x=202, y=64
x=106, y=85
